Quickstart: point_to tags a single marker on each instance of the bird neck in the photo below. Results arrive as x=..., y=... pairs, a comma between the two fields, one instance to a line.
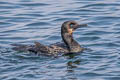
x=72, y=45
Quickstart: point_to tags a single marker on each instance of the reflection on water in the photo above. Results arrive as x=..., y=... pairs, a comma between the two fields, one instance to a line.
x=26, y=21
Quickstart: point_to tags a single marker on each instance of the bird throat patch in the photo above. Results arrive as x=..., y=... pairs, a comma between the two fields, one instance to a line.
x=70, y=31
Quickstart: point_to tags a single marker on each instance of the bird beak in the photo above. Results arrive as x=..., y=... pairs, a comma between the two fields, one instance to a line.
x=79, y=26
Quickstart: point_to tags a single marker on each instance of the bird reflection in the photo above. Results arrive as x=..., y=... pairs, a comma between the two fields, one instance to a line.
x=72, y=64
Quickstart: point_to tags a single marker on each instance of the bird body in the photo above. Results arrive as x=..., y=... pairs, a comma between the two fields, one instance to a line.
x=69, y=45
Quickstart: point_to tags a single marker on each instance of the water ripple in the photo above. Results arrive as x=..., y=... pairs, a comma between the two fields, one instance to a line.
x=26, y=21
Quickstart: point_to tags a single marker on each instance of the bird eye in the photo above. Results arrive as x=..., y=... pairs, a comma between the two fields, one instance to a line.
x=71, y=25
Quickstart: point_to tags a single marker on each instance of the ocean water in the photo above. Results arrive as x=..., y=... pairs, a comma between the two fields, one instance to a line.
x=26, y=21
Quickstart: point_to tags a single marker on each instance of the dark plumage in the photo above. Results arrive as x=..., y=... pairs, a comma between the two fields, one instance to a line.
x=69, y=45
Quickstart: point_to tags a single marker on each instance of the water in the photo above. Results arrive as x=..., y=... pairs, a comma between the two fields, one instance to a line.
x=26, y=21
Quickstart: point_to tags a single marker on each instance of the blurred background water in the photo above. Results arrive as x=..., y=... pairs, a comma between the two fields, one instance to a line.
x=26, y=21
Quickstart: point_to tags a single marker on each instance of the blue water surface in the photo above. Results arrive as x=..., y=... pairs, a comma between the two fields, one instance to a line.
x=26, y=21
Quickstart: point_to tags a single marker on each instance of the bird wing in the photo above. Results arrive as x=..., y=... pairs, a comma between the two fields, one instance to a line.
x=39, y=48
x=60, y=44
